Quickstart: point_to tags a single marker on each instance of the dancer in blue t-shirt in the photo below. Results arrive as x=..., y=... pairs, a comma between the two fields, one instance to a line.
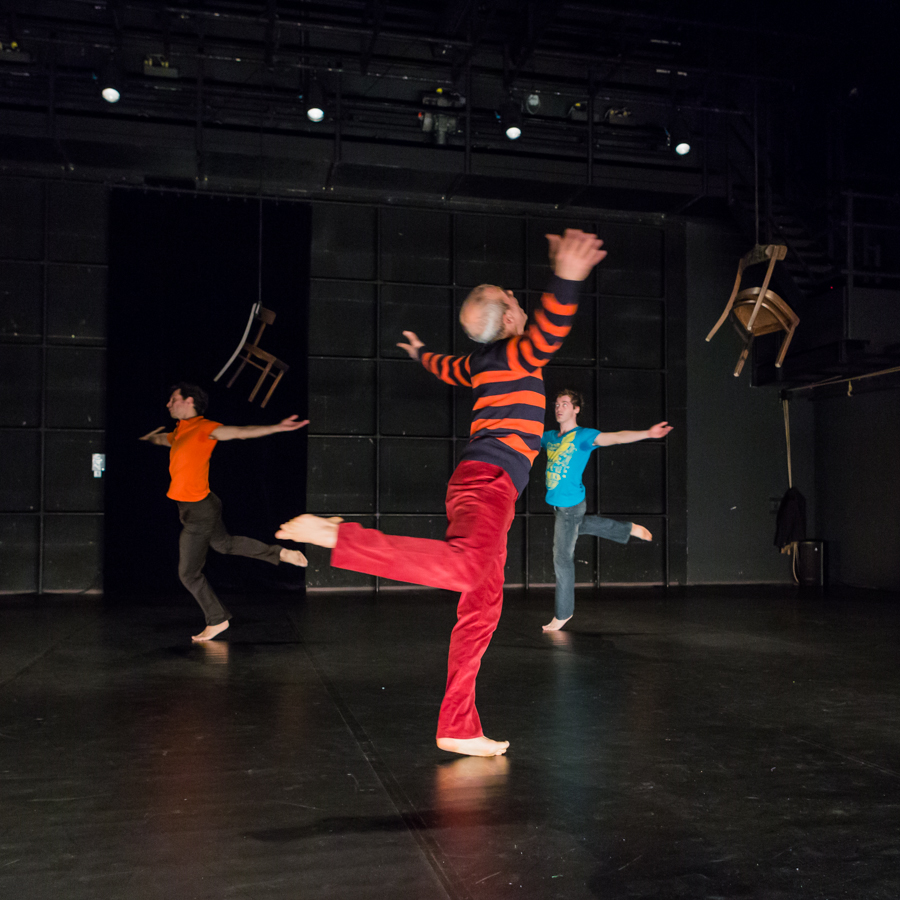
x=568, y=451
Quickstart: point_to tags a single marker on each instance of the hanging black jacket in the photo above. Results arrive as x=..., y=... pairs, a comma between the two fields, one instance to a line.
x=790, y=526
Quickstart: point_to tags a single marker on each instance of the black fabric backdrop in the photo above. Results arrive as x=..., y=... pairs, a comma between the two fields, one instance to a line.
x=184, y=272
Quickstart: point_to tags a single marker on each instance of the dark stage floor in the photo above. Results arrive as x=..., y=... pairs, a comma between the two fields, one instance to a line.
x=741, y=744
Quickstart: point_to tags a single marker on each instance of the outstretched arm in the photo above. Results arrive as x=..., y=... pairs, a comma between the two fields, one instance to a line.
x=242, y=432
x=158, y=437
x=451, y=369
x=608, y=438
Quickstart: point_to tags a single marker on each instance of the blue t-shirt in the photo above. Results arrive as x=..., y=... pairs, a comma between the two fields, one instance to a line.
x=566, y=458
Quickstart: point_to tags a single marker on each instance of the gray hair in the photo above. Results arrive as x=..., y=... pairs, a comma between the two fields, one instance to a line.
x=487, y=313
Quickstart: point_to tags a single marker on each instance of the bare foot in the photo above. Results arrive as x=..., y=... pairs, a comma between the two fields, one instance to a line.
x=210, y=632
x=554, y=624
x=639, y=531
x=294, y=557
x=309, y=529
x=480, y=746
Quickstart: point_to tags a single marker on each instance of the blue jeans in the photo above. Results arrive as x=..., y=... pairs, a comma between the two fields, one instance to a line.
x=571, y=522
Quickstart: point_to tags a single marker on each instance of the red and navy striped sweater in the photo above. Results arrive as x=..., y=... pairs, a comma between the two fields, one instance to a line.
x=508, y=384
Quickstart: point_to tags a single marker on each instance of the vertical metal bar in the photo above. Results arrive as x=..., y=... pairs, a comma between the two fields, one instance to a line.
x=467, y=118
x=597, y=468
x=337, y=122
x=768, y=175
x=526, y=220
x=665, y=361
x=850, y=276
x=705, y=160
x=51, y=105
x=377, y=377
x=198, y=132
x=42, y=493
x=453, y=349
x=756, y=157
x=590, y=130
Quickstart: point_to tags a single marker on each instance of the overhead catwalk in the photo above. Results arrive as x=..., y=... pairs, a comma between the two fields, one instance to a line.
x=719, y=744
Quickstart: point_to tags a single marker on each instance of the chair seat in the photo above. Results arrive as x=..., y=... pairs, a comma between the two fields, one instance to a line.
x=757, y=310
x=270, y=360
x=773, y=314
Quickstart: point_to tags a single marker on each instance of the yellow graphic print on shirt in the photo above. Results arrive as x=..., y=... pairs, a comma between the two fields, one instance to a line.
x=559, y=456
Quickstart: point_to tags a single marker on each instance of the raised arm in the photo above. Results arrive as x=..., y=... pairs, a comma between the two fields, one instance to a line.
x=608, y=438
x=242, y=432
x=451, y=369
x=158, y=437
x=573, y=255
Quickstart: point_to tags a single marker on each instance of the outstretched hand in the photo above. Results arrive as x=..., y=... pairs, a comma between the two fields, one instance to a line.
x=660, y=430
x=412, y=348
x=574, y=253
x=291, y=424
x=150, y=434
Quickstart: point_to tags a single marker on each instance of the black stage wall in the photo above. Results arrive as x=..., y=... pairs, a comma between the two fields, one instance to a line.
x=184, y=272
x=385, y=435
x=53, y=410
x=858, y=486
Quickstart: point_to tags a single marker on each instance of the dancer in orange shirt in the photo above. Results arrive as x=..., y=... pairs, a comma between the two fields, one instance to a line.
x=190, y=446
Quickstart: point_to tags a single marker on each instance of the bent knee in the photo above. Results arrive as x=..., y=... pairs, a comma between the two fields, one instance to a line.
x=190, y=577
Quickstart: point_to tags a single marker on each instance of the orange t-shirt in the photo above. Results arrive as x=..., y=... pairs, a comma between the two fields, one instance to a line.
x=192, y=447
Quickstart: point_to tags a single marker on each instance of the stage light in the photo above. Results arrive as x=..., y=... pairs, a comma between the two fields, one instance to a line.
x=679, y=137
x=441, y=123
x=511, y=118
x=314, y=101
x=111, y=81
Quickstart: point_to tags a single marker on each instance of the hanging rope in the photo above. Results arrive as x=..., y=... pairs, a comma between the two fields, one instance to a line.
x=756, y=157
x=787, y=439
x=256, y=306
x=793, y=547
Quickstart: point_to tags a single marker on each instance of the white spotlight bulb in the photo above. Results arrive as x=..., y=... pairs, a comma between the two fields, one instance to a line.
x=514, y=132
x=315, y=114
x=110, y=94
x=683, y=148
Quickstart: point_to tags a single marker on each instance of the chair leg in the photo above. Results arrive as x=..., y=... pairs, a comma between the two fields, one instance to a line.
x=743, y=358
x=259, y=383
x=272, y=388
x=237, y=371
x=784, y=348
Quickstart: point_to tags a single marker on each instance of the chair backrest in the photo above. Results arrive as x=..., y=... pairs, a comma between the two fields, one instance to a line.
x=264, y=317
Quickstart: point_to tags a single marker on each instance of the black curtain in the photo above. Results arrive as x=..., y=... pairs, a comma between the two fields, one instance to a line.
x=184, y=272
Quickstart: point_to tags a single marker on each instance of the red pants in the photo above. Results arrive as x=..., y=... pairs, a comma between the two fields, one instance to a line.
x=481, y=502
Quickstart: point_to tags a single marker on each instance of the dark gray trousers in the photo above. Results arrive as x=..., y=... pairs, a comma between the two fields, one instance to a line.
x=203, y=528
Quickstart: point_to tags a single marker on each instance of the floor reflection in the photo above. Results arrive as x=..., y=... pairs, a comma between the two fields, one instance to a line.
x=468, y=788
x=560, y=638
x=214, y=653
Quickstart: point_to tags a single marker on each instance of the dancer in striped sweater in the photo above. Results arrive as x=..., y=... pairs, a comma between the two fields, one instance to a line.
x=506, y=377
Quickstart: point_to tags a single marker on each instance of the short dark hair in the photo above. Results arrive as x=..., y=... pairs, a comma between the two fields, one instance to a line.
x=196, y=393
x=574, y=396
